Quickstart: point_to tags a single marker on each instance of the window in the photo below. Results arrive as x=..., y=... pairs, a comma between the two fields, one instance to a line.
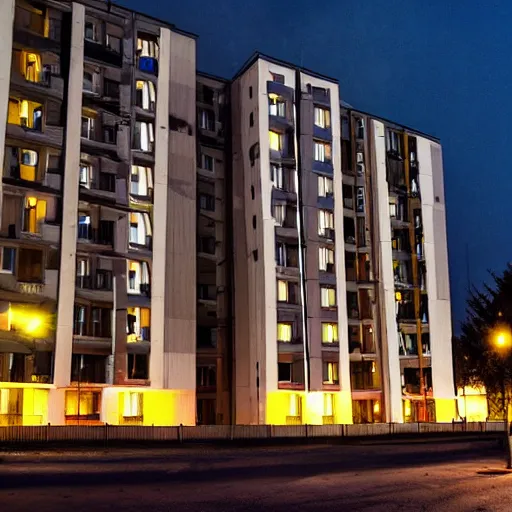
x=85, y=175
x=359, y=128
x=89, y=405
x=325, y=187
x=113, y=43
x=250, y=91
x=327, y=297
x=360, y=199
x=141, y=181
x=325, y=259
x=276, y=141
x=32, y=69
x=90, y=31
x=364, y=375
x=145, y=95
x=8, y=260
x=325, y=223
x=83, y=275
x=131, y=402
x=348, y=197
x=138, y=277
x=25, y=113
x=349, y=230
x=103, y=279
x=138, y=367
x=207, y=202
x=147, y=53
x=284, y=332
x=138, y=322
x=101, y=319
x=277, y=78
x=30, y=266
x=87, y=368
x=330, y=333
x=279, y=213
x=206, y=244
x=352, y=306
x=284, y=372
x=330, y=373
x=110, y=88
x=207, y=120
x=287, y=255
x=287, y=291
x=322, y=151
x=393, y=142
x=34, y=214
x=350, y=266
x=89, y=81
x=277, y=107
x=207, y=162
x=84, y=227
x=87, y=131
x=322, y=117
x=276, y=176
x=140, y=229
x=206, y=376
x=143, y=136
x=21, y=163
x=79, y=326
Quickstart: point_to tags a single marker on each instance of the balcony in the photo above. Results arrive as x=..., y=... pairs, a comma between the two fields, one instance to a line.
x=33, y=27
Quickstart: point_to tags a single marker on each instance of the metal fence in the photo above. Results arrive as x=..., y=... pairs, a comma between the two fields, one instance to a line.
x=46, y=434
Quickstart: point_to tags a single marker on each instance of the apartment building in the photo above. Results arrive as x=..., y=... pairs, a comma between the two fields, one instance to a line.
x=337, y=217
x=178, y=248
x=98, y=209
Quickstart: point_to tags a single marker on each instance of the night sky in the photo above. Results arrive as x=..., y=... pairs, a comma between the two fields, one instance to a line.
x=441, y=66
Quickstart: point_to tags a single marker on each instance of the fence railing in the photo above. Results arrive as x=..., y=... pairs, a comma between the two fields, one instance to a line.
x=113, y=433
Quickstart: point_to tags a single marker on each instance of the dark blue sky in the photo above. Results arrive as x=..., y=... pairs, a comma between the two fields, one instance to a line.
x=438, y=66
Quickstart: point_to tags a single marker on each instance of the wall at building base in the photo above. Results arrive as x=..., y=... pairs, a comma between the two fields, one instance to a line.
x=57, y=406
x=279, y=407
x=445, y=410
x=160, y=407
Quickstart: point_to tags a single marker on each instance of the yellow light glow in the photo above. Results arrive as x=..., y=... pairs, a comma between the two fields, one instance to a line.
x=376, y=407
x=398, y=296
x=33, y=324
x=31, y=201
x=501, y=337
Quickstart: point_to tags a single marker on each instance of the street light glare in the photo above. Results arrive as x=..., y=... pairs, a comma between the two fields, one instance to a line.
x=501, y=340
x=33, y=324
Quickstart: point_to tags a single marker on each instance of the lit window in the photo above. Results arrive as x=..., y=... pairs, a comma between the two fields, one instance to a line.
x=277, y=176
x=322, y=151
x=325, y=186
x=329, y=333
x=325, y=222
x=277, y=107
x=8, y=259
x=31, y=64
x=284, y=332
x=84, y=227
x=147, y=47
x=392, y=208
x=138, y=277
x=330, y=373
x=140, y=229
x=322, y=117
x=328, y=404
x=276, y=141
x=141, y=181
x=328, y=297
x=138, y=324
x=295, y=405
x=34, y=214
x=325, y=259
x=143, y=136
x=132, y=404
x=282, y=291
x=28, y=114
x=28, y=164
x=145, y=95
x=90, y=31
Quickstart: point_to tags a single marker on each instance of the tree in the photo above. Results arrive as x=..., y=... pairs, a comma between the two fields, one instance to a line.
x=483, y=351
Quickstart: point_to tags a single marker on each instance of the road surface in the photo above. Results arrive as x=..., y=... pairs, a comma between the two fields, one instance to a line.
x=366, y=477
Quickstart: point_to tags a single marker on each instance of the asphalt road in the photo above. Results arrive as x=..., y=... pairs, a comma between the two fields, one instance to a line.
x=371, y=477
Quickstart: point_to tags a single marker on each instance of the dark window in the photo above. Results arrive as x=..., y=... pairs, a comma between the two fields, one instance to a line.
x=138, y=367
x=255, y=254
x=208, y=95
x=106, y=232
x=250, y=91
x=107, y=182
x=284, y=372
x=104, y=279
x=109, y=134
x=88, y=369
x=352, y=305
x=207, y=202
x=278, y=78
x=206, y=337
x=206, y=244
x=110, y=88
x=349, y=230
x=30, y=265
x=252, y=191
x=206, y=376
x=251, y=119
x=254, y=221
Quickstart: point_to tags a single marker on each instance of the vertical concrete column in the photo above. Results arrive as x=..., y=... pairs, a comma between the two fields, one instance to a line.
x=438, y=282
x=179, y=356
x=161, y=172
x=6, y=29
x=66, y=297
x=391, y=378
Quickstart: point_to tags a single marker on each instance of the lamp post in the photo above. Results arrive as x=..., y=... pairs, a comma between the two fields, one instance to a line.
x=501, y=339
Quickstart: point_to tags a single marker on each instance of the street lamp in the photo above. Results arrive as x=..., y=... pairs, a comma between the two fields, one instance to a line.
x=501, y=339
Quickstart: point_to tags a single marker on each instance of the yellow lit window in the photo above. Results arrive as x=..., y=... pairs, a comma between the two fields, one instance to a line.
x=28, y=164
x=28, y=114
x=328, y=297
x=138, y=324
x=329, y=333
x=275, y=140
x=284, y=332
x=295, y=405
x=34, y=214
x=328, y=404
x=331, y=373
x=322, y=117
x=31, y=66
x=131, y=404
x=282, y=291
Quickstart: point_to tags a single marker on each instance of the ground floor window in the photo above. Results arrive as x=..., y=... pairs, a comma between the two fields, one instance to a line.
x=366, y=411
